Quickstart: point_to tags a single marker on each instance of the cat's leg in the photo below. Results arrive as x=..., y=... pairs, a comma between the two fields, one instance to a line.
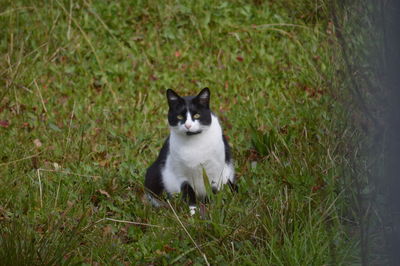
x=172, y=180
x=197, y=181
x=189, y=196
x=231, y=178
x=233, y=186
x=220, y=174
x=154, y=186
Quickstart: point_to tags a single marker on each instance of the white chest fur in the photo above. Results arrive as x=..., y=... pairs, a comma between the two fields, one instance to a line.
x=197, y=149
x=188, y=155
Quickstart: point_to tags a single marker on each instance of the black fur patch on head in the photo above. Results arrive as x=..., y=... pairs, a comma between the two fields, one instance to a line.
x=203, y=98
x=179, y=106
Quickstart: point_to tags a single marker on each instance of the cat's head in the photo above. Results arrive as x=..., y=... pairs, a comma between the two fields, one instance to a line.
x=189, y=115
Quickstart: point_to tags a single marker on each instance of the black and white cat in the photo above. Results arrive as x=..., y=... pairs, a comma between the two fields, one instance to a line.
x=196, y=142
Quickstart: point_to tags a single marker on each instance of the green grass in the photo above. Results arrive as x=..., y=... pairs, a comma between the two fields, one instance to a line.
x=83, y=111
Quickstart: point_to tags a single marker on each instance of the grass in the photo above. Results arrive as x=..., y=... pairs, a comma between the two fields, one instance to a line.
x=83, y=114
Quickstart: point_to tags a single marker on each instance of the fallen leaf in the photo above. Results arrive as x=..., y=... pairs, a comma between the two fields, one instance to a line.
x=4, y=123
x=96, y=177
x=107, y=230
x=56, y=166
x=105, y=193
x=95, y=200
x=316, y=188
x=167, y=248
x=159, y=252
x=40, y=229
x=35, y=162
x=188, y=262
x=104, y=163
x=37, y=143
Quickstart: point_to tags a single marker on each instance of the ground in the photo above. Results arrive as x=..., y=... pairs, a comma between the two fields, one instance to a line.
x=83, y=114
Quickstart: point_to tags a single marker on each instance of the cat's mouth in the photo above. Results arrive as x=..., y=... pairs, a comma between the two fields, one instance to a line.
x=189, y=133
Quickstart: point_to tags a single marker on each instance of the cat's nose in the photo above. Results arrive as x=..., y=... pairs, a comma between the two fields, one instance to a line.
x=188, y=126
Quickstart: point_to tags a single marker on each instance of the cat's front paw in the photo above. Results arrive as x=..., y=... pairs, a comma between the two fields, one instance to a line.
x=154, y=201
x=214, y=187
x=192, y=210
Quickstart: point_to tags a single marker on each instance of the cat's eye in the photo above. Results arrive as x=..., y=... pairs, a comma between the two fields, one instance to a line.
x=180, y=117
x=196, y=116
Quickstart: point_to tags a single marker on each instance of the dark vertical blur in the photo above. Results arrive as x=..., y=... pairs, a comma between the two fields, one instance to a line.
x=390, y=79
x=368, y=33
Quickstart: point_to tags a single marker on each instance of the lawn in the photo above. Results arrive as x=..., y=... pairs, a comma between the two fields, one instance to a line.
x=83, y=114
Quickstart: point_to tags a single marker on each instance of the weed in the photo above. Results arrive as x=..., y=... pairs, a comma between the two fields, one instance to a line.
x=83, y=113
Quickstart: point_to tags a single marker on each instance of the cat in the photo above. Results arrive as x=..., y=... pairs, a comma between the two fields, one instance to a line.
x=195, y=142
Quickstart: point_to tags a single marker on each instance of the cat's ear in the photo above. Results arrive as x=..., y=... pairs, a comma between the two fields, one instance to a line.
x=173, y=97
x=204, y=97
